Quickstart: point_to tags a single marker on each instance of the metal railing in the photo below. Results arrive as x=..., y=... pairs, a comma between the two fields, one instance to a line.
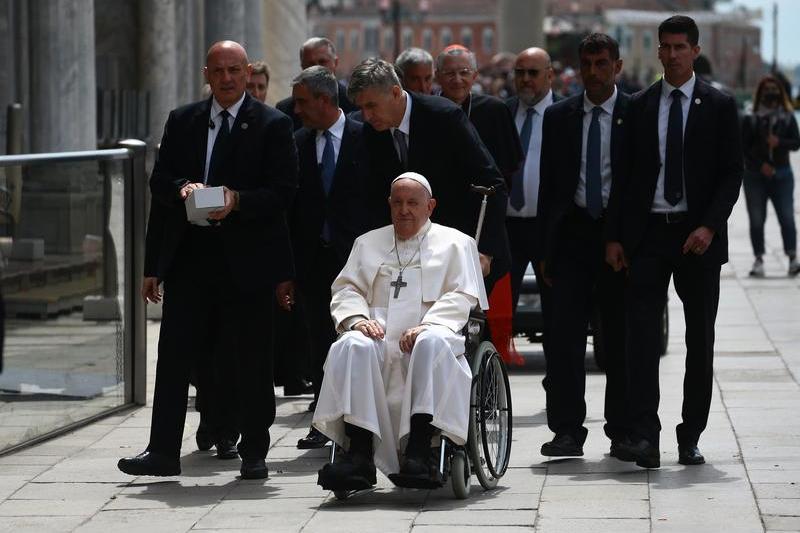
x=132, y=154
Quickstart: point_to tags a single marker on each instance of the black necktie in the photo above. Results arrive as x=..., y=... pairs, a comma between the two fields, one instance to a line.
x=673, y=170
x=215, y=172
x=402, y=147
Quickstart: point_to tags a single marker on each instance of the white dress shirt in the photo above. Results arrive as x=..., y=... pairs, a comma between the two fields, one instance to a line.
x=405, y=126
x=337, y=131
x=216, y=119
x=530, y=176
x=605, y=147
x=660, y=204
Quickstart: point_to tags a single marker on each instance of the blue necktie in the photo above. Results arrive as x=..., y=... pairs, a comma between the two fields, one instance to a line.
x=594, y=184
x=673, y=169
x=327, y=168
x=215, y=173
x=517, y=199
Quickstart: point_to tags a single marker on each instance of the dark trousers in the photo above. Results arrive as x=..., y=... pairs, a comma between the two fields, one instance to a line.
x=315, y=291
x=291, y=344
x=206, y=313
x=778, y=189
x=584, y=288
x=658, y=258
x=523, y=239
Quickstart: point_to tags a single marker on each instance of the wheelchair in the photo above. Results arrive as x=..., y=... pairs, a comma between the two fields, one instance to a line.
x=487, y=450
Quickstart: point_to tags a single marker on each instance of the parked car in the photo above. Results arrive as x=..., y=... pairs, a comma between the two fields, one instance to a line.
x=528, y=320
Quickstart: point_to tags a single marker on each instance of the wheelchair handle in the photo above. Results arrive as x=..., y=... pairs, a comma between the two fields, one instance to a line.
x=486, y=192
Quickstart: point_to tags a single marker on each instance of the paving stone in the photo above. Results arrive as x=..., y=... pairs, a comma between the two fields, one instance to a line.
x=461, y=518
x=595, y=525
x=39, y=524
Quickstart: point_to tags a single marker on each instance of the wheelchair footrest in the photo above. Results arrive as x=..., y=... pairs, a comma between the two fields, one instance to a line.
x=416, y=481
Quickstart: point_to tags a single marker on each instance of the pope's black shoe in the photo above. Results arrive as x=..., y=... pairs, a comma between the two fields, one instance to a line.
x=418, y=473
x=254, y=469
x=690, y=455
x=562, y=446
x=150, y=463
x=226, y=449
x=350, y=471
x=641, y=452
x=312, y=441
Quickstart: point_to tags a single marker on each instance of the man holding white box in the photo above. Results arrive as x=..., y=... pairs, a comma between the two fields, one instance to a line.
x=221, y=269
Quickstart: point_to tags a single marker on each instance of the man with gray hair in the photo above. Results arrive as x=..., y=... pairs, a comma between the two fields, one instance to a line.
x=416, y=66
x=432, y=136
x=328, y=212
x=317, y=51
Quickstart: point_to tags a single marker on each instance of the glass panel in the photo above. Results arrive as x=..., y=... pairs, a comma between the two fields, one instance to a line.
x=63, y=281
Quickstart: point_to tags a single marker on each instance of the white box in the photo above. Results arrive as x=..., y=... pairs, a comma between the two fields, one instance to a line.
x=201, y=202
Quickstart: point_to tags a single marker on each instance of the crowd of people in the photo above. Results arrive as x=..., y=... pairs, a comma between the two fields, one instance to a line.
x=308, y=272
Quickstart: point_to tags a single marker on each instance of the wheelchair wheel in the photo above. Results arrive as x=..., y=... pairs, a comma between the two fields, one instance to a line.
x=490, y=420
x=459, y=475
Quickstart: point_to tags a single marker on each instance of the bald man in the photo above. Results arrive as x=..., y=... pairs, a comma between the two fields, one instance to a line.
x=219, y=276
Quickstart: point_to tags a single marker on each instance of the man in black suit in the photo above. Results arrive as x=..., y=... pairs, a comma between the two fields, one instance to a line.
x=669, y=219
x=581, y=149
x=217, y=426
x=416, y=69
x=328, y=212
x=220, y=278
x=432, y=136
x=317, y=51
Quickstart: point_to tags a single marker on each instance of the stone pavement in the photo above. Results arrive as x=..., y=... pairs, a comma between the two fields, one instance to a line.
x=751, y=482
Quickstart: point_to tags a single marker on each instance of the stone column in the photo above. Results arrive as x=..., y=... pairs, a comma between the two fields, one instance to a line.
x=190, y=49
x=158, y=62
x=62, y=204
x=520, y=24
x=254, y=29
x=225, y=19
x=285, y=30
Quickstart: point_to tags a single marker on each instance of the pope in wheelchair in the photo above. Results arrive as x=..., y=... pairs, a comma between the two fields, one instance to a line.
x=397, y=378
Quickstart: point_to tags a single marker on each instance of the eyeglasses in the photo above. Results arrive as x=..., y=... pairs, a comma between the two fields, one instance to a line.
x=532, y=72
x=461, y=73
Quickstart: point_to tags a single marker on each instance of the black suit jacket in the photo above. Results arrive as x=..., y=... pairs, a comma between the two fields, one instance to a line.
x=712, y=166
x=286, y=106
x=261, y=164
x=495, y=124
x=343, y=207
x=560, y=166
x=445, y=148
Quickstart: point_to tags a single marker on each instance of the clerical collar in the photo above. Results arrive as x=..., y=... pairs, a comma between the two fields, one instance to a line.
x=233, y=109
x=405, y=124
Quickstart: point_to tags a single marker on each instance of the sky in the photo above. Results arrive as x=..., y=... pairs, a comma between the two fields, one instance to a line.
x=788, y=34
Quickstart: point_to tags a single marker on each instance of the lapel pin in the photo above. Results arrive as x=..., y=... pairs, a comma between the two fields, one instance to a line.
x=619, y=121
x=244, y=125
x=697, y=101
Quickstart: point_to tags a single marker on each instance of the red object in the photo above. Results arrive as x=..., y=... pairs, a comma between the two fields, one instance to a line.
x=500, y=322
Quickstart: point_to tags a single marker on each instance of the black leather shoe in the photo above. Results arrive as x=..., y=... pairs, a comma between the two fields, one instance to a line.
x=562, y=446
x=226, y=449
x=204, y=437
x=297, y=388
x=312, y=441
x=350, y=471
x=616, y=445
x=690, y=455
x=641, y=452
x=150, y=463
x=254, y=469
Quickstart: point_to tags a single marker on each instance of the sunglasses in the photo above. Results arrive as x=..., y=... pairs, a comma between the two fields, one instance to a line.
x=532, y=72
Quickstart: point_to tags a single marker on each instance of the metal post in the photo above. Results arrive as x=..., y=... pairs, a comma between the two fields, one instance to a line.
x=135, y=318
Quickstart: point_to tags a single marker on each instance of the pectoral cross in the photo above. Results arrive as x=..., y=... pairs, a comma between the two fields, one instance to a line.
x=398, y=284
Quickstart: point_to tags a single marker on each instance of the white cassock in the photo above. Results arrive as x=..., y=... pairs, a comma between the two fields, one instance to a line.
x=371, y=383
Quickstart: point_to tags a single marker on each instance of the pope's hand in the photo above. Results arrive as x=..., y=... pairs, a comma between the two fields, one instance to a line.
x=370, y=328
x=284, y=293
x=187, y=189
x=150, y=290
x=409, y=337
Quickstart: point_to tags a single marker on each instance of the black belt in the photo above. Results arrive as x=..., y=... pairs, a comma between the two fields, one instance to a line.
x=675, y=217
x=582, y=214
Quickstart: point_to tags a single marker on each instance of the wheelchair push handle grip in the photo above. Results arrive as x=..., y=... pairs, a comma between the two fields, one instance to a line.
x=485, y=191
